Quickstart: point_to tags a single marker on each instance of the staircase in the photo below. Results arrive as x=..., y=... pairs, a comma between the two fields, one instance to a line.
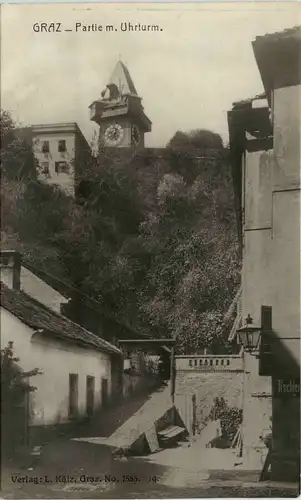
x=145, y=428
x=155, y=425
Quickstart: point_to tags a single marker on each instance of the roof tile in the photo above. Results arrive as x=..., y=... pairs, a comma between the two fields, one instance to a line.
x=38, y=316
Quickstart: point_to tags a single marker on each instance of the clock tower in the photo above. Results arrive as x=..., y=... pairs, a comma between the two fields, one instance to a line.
x=119, y=113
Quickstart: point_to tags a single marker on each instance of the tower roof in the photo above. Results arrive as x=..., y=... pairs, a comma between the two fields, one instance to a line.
x=122, y=79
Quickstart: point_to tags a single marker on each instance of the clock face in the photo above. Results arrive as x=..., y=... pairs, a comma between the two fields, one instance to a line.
x=135, y=135
x=114, y=134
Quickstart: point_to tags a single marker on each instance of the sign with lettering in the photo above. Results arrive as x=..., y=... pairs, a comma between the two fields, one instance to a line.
x=286, y=388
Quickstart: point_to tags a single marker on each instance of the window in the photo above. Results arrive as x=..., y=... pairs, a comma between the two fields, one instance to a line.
x=45, y=167
x=201, y=361
x=195, y=362
x=6, y=261
x=211, y=361
x=73, y=394
x=228, y=362
x=62, y=146
x=90, y=387
x=61, y=167
x=45, y=147
x=216, y=362
x=222, y=361
x=190, y=362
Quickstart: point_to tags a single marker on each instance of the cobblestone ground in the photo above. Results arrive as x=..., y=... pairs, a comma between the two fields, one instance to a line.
x=78, y=469
x=82, y=470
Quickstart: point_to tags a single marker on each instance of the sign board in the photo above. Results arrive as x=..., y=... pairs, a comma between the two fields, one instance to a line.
x=286, y=388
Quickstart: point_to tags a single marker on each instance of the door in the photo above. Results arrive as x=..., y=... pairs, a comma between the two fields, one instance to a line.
x=90, y=395
x=104, y=391
x=73, y=395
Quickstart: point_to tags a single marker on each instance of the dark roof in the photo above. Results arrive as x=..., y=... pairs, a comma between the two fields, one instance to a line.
x=68, y=291
x=278, y=57
x=37, y=316
x=250, y=100
x=280, y=35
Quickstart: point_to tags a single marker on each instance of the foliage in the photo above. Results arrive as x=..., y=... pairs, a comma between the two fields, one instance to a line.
x=17, y=158
x=14, y=387
x=152, y=240
x=14, y=381
x=196, y=139
x=41, y=212
x=194, y=269
x=230, y=417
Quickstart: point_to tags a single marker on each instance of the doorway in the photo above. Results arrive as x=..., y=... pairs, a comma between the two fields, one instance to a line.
x=104, y=392
x=90, y=395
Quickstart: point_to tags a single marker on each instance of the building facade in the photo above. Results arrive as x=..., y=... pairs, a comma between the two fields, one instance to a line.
x=61, y=150
x=78, y=368
x=265, y=156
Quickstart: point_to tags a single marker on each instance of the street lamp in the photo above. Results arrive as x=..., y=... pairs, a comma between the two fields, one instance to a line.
x=249, y=335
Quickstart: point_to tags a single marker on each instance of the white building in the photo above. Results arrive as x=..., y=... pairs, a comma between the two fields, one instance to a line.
x=61, y=150
x=76, y=364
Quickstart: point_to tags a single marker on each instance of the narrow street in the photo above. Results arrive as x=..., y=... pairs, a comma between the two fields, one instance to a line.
x=70, y=468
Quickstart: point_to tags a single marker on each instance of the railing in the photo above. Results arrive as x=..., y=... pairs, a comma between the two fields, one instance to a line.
x=209, y=363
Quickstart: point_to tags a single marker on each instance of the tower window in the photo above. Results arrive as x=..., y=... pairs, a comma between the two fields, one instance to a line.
x=62, y=146
x=45, y=147
x=61, y=167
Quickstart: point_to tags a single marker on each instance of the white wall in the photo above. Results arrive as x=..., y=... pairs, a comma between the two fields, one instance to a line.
x=271, y=254
x=286, y=218
x=35, y=287
x=56, y=359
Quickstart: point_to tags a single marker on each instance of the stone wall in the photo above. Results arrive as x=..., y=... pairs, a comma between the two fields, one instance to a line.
x=206, y=386
x=134, y=384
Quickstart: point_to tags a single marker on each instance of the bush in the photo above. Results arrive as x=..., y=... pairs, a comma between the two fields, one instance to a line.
x=15, y=388
x=230, y=418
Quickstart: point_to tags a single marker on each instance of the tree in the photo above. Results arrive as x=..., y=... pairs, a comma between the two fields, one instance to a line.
x=194, y=269
x=17, y=158
x=196, y=140
x=99, y=242
x=152, y=240
x=15, y=387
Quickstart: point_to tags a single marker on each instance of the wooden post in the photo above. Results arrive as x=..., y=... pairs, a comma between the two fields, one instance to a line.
x=172, y=374
x=26, y=416
x=193, y=414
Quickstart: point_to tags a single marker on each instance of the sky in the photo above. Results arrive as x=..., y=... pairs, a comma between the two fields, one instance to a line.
x=188, y=73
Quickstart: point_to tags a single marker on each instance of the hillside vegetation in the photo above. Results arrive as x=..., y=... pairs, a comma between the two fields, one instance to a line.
x=152, y=240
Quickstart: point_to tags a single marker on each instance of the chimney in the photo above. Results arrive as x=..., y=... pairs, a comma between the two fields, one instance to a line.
x=11, y=268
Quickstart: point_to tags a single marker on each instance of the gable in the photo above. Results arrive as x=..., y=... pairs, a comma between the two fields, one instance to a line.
x=40, y=290
x=37, y=316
